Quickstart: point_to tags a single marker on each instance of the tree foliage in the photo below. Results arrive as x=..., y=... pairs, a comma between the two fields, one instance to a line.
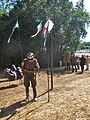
x=69, y=26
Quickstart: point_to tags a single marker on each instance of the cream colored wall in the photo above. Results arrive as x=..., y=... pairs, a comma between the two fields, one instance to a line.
x=80, y=54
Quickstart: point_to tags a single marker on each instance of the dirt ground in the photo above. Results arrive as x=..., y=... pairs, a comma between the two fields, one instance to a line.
x=68, y=100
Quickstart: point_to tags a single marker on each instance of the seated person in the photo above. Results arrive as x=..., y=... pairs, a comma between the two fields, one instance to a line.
x=11, y=72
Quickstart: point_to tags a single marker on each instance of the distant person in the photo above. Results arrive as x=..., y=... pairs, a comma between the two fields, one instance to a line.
x=11, y=72
x=30, y=65
x=73, y=63
x=82, y=63
x=19, y=74
x=77, y=62
x=87, y=62
x=14, y=73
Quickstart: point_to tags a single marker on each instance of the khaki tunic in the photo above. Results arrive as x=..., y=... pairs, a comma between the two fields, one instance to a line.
x=29, y=69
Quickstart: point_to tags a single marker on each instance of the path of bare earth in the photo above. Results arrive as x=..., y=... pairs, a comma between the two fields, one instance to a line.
x=69, y=99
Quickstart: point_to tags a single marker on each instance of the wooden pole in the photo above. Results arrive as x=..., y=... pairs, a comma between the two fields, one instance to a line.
x=48, y=83
x=51, y=61
x=48, y=67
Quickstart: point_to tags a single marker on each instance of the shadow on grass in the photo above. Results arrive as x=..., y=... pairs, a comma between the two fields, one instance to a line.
x=62, y=72
x=1, y=81
x=44, y=93
x=11, y=110
x=8, y=87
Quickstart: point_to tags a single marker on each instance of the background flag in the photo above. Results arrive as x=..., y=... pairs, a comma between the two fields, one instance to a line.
x=39, y=28
x=15, y=26
x=45, y=36
x=46, y=29
x=50, y=25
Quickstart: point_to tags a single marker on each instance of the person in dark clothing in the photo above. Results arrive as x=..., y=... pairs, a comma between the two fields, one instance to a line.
x=30, y=65
x=82, y=63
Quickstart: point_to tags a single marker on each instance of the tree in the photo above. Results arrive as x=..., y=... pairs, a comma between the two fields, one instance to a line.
x=69, y=26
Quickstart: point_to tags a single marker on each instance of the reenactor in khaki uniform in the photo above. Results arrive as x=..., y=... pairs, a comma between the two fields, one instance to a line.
x=30, y=65
x=87, y=62
x=67, y=60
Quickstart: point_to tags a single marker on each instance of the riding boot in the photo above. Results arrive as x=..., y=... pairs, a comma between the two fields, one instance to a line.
x=34, y=94
x=72, y=69
x=76, y=70
x=27, y=93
